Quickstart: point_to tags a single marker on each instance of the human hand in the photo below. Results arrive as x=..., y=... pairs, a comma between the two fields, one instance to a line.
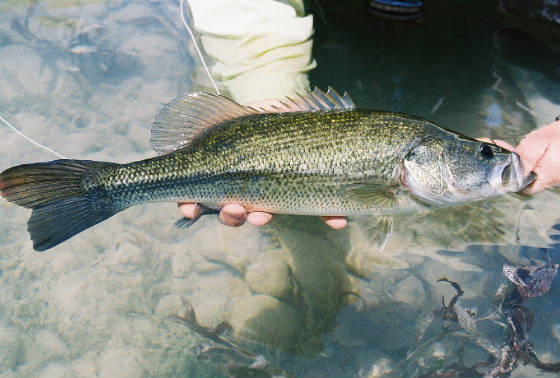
x=540, y=153
x=234, y=214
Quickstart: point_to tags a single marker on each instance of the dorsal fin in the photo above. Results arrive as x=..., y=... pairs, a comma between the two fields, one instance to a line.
x=181, y=120
x=314, y=101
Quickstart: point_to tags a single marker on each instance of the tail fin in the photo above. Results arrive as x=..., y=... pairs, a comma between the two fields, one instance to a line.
x=56, y=191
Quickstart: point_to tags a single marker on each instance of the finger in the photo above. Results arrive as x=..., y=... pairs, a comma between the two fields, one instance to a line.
x=498, y=142
x=541, y=154
x=189, y=209
x=484, y=139
x=504, y=145
x=536, y=187
x=232, y=215
x=336, y=222
x=259, y=218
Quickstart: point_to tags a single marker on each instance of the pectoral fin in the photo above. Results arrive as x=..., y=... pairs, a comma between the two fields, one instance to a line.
x=377, y=196
x=380, y=197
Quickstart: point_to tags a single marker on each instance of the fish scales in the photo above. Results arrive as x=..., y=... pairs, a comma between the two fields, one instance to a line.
x=285, y=162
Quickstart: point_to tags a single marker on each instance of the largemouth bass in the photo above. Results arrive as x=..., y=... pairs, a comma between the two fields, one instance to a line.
x=318, y=155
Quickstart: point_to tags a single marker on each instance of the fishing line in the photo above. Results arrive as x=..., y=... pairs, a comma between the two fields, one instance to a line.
x=31, y=140
x=181, y=5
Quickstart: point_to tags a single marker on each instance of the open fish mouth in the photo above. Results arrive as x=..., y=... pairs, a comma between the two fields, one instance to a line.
x=511, y=176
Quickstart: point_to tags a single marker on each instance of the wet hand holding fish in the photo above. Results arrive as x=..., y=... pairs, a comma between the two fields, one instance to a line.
x=318, y=156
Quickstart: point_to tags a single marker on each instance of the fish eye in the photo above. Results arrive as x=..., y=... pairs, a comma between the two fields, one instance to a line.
x=486, y=150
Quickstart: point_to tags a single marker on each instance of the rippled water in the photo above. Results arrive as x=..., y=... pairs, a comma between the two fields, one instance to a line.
x=87, y=77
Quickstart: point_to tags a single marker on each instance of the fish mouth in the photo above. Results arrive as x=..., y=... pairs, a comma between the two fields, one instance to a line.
x=511, y=176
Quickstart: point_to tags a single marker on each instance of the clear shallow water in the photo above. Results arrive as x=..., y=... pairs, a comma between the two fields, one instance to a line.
x=313, y=301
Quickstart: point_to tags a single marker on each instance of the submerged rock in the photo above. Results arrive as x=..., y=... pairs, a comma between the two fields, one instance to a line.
x=55, y=370
x=9, y=347
x=410, y=290
x=267, y=320
x=23, y=73
x=212, y=294
x=169, y=305
x=120, y=362
x=270, y=275
x=49, y=345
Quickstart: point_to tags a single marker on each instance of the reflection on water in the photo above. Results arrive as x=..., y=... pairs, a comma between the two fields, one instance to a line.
x=292, y=298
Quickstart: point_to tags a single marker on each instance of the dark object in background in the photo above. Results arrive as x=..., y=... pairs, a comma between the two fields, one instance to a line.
x=448, y=312
x=230, y=358
x=531, y=26
x=531, y=281
x=547, y=11
x=401, y=10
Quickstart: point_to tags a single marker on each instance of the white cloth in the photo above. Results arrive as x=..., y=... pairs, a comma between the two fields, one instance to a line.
x=258, y=49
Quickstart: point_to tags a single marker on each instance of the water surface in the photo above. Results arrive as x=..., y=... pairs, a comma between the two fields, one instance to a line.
x=87, y=77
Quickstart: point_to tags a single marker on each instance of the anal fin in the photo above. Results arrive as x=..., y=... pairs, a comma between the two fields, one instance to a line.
x=380, y=229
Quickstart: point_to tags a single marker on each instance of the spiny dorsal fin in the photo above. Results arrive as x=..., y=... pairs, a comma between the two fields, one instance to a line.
x=315, y=101
x=180, y=121
x=184, y=118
